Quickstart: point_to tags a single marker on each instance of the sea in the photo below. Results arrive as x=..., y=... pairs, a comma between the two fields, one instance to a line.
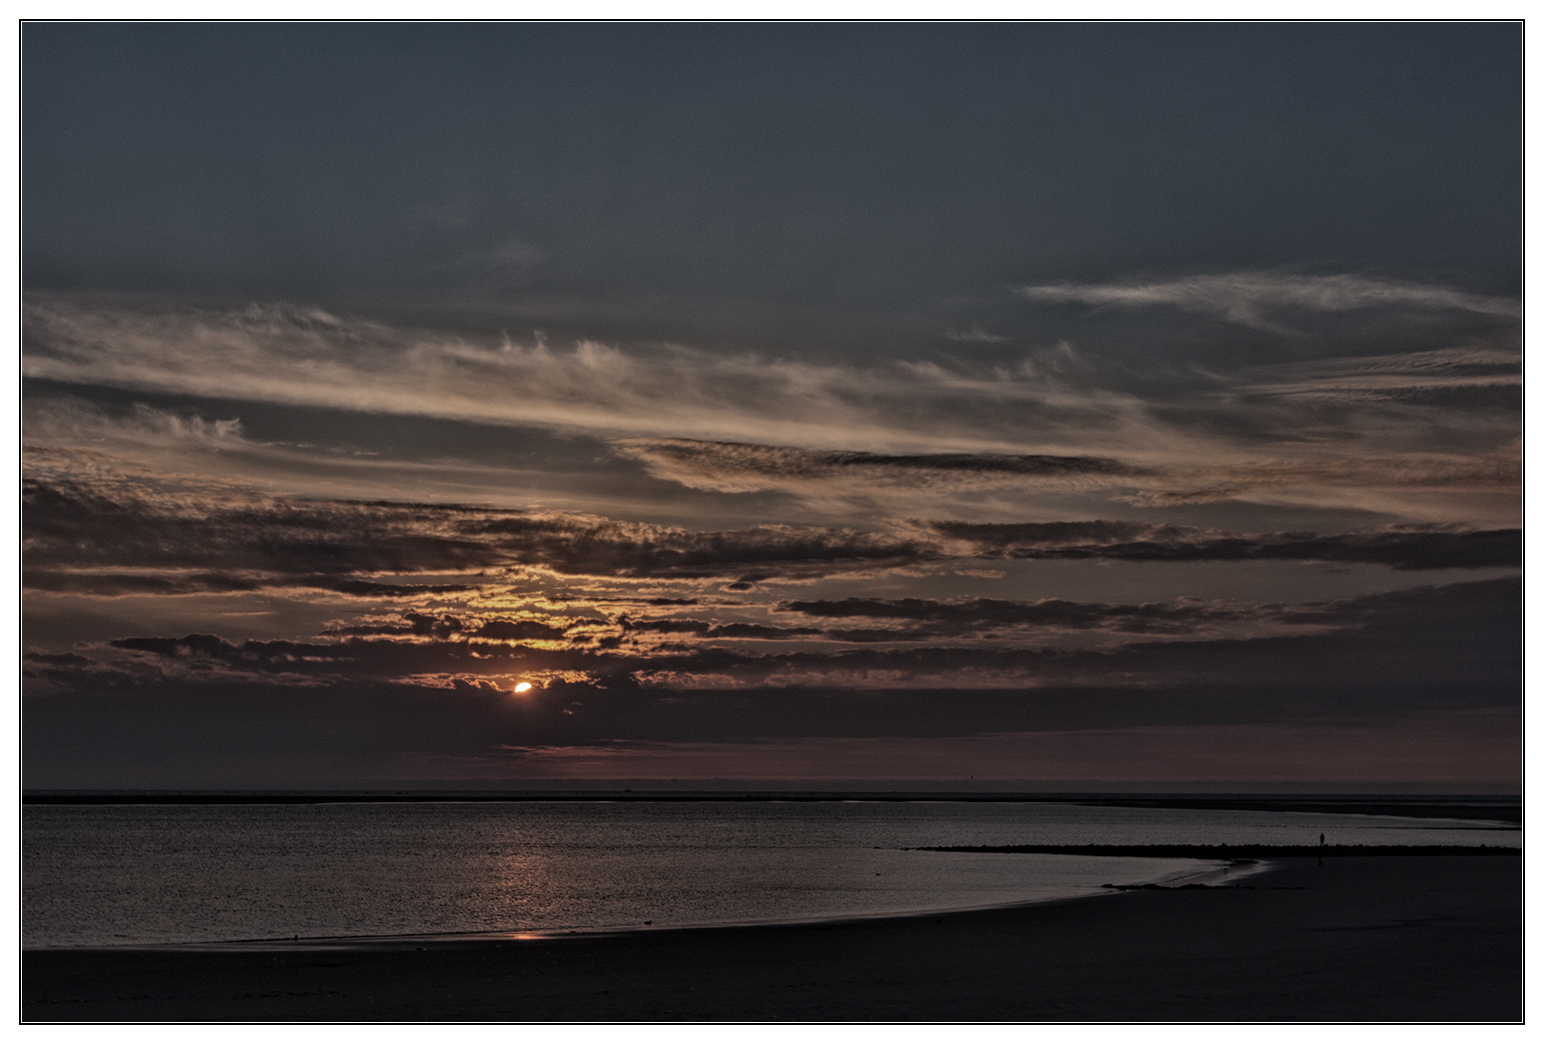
x=137, y=874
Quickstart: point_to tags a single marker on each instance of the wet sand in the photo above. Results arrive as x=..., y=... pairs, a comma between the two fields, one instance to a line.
x=1376, y=938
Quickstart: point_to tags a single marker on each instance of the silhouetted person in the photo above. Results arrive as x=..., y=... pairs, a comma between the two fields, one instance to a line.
x=1321, y=840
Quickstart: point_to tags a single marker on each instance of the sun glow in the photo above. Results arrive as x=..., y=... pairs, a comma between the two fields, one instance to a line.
x=523, y=687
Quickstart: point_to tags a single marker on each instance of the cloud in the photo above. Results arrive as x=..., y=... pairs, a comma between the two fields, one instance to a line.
x=1400, y=547
x=513, y=253
x=735, y=467
x=1402, y=375
x=70, y=441
x=975, y=333
x=924, y=481
x=899, y=435
x=582, y=545
x=975, y=614
x=68, y=436
x=518, y=630
x=1246, y=298
x=309, y=357
x=83, y=525
x=209, y=541
x=111, y=584
x=1191, y=617
x=1420, y=684
x=306, y=356
x=705, y=630
x=322, y=454
x=444, y=626
x=117, y=537
x=505, y=265
x=1464, y=634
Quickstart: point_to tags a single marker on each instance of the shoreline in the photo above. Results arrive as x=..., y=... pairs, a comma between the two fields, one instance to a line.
x=1199, y=876
x=335, y=942
x=1237, y=851
x=1236, y=862
x=1484, y=807
x=1396, y=938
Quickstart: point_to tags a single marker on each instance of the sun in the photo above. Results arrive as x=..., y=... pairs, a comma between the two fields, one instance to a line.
x=523, y=687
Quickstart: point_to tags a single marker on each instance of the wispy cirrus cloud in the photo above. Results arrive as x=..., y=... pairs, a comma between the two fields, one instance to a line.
x=897, y=434
x=1248, y=298
x=310, y=357
x=977, y=334
x=1400, y=375
x=307, y=356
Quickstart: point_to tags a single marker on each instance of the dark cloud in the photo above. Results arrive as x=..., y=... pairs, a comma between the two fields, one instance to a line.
x=582, y=545
x=1175, y=617
x=1465, y=634
x=731, y=464
x=371, y=589
x=46, y=660
x=106, y=539
x=83, y=525
x=112, y=584
x=1400, y=547
x=429, y=625
x=322, y=543
x=706, y=630
x=1447, y=650
x=364, y=657
x=518, y=630
x=104, y=584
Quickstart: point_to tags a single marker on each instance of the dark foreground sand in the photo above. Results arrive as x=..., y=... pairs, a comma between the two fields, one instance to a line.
x=1421, y=938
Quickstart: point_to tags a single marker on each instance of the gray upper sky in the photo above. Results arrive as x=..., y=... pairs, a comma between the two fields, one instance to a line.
x=848, y=167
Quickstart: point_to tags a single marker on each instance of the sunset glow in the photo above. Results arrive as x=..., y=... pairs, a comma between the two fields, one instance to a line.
x=1026, y=401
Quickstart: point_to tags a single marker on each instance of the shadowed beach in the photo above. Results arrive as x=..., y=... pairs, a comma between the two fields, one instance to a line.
x=1376, y=938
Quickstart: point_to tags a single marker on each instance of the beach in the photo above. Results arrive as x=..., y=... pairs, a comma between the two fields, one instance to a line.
x=1371, y=938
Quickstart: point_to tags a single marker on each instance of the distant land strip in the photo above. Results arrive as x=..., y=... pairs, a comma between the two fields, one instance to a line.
x=1234, y=851
x=1505, y=809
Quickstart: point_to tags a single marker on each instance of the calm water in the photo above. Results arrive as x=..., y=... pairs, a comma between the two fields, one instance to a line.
x=120, y=874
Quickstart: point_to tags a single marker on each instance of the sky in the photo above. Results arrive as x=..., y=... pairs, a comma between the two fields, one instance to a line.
x=1103, y=405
